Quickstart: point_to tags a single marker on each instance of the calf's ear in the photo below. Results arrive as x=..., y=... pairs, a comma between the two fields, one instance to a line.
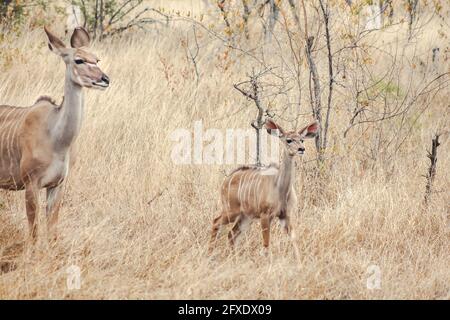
x=310, y=131
x=273, y=129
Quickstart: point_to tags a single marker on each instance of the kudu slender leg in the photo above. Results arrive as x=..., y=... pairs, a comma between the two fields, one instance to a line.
x=242, y=223
x=32, y=207
x=265, y=226
x=286, y=224
x=54, y=198
x=234, y=233
x=217, y=223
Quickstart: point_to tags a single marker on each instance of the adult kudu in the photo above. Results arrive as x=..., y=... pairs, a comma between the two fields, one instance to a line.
x=36, y=143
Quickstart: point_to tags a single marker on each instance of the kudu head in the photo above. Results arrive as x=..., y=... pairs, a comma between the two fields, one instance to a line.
x=81, y=64
x=293, y=140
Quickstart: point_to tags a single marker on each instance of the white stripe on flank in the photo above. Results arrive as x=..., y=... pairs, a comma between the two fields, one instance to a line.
x=228, y=196
x=2, y=137
x=16, y=125
x=248, y=177
x=248, y=190
x=4, y=110
x=252, y=187
x=257, y=196
x=10, y=143
x=244, y=190
x=239, y=191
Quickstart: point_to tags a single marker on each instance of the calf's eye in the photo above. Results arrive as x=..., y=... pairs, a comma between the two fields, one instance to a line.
x=79, y=61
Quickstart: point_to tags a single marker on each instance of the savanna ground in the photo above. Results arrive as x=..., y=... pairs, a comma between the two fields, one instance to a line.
x=137, y=225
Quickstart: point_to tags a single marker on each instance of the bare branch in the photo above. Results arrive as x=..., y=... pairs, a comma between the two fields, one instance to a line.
x=432, y=155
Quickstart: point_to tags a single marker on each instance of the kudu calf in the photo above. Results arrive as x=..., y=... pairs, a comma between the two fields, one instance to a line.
x=262, y=192
x=36, y=142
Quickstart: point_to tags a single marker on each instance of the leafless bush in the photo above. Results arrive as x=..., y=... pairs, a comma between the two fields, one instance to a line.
x=318, y=47
x=105, y=18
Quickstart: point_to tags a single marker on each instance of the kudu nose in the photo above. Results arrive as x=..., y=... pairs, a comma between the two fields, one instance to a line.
x=105, y=79
x=301, y=149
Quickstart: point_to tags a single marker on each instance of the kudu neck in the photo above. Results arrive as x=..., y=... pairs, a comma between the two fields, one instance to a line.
x=67, y=123
x=285, y=174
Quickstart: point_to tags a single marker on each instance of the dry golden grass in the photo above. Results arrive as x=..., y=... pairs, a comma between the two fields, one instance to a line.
x=126, y=248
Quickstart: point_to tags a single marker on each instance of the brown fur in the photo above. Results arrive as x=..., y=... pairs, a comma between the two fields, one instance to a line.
x=36, y=143
x=21, y=132
x=251, y=192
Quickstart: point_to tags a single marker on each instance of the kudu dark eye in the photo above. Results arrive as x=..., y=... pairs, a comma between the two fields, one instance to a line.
x=79, y=61
x=289, y=140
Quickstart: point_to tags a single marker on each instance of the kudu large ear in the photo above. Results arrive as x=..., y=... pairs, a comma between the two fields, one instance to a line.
x=54, y=43
x=310, y=131
x=80, y=38
x=273, y=128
